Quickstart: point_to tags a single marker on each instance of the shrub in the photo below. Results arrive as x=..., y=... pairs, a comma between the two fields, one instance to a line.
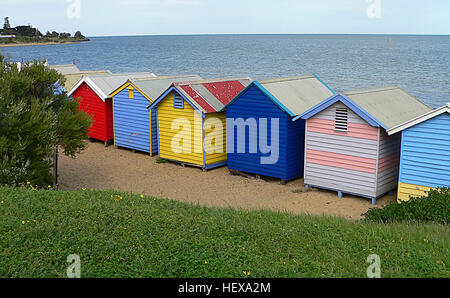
x=35, y=118
x=434, y=207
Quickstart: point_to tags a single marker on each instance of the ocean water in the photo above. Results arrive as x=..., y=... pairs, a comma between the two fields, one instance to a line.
x=418, y=64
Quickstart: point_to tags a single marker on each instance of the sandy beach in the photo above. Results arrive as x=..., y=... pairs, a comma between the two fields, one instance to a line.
x=35, y=44
x=109, y=168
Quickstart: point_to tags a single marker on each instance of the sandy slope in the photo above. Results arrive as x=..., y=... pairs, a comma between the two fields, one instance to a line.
x=109, y=168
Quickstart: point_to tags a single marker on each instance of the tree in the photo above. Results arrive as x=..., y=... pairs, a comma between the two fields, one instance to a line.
x=78, y=34
x=28, y=31
x=64, y=35
x=7, y=25
x=35, y=118
x=7, y=30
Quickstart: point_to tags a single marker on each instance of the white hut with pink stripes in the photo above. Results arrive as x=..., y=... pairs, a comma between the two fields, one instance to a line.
x=347, y=147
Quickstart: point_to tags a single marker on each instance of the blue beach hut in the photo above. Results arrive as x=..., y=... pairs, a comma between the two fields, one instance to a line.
x=425, y=153
x=134, y=125
x=262, y=137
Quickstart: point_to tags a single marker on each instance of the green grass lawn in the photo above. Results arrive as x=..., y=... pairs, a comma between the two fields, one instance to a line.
x=125, y=235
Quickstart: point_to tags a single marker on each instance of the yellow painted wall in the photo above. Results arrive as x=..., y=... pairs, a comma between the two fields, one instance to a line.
x=214, y=134
x=406, y=190
x=168, y=116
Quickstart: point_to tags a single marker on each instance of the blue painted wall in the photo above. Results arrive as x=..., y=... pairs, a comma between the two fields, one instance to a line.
x=255, y=104
x=426, y=153
x=132, y=122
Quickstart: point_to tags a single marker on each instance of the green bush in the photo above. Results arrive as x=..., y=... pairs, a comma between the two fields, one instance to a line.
x=35, y=118
x=434, y=207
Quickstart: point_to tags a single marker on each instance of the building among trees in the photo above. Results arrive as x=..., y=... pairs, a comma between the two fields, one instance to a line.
x=29, y=31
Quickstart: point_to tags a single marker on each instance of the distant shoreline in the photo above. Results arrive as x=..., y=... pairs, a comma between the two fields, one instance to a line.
x=26, y=44
x=272, y=34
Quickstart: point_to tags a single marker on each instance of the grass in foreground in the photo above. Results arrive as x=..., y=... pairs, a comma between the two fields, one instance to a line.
x=125, y=235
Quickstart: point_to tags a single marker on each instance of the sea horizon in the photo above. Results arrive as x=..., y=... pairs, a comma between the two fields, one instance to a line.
x=418, y=64
x=250, y=34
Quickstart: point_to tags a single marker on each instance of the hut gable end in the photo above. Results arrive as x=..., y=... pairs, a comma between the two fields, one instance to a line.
x=342, y=160
x=325, y=122
x=132, y=121
x=255, y=104
x=426, y=153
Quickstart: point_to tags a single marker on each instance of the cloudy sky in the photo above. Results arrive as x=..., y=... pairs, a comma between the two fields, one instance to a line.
x=142, y=17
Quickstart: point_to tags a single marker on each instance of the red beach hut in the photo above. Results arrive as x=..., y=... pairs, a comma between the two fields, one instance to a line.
x=93, y=94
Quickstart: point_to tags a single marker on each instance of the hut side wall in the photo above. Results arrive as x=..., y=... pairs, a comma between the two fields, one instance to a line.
x=295, y=149
x=154, y=130
x=254, y=104
x=96, y=108
x=425, y=158
x=132, y=121
x=340, y=161
x=171, y=122
x=218, y=152
x=388, y=162
x=109, y=120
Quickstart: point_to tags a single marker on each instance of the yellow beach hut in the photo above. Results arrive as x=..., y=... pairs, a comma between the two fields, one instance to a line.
x=191, y=128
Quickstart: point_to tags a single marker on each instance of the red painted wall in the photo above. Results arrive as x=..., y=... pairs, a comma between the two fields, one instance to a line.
x=100, y=111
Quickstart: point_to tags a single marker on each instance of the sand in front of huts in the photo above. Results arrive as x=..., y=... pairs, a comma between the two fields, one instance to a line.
x=103, y=168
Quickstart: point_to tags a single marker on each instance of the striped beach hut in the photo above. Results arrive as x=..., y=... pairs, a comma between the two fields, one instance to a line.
x=348, y=149
x=93, y=94
x=134, y=126
x=262, y=138
x=425, y=153
x=191, y=126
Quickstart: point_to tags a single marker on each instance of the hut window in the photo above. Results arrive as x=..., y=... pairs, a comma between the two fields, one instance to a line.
x=341, y=120
x=131, y=93
x=178, y=102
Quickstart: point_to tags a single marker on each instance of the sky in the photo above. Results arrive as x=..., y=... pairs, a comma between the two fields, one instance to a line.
x=171, y=17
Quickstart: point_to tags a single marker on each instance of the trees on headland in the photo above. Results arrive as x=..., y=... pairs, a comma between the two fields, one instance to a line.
x=55, y=34
x=79, y=35
x=7, y=24
x=35, y=118
x=29, y=32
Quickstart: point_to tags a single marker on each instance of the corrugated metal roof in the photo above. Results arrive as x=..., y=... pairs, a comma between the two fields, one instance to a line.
x=65, y=68
x=391, y=105
x=299, y=93
x=154, y=87
x=211, y=96
x=419, y=119
x=73, y=78
x=103, y=85
x=109, y=83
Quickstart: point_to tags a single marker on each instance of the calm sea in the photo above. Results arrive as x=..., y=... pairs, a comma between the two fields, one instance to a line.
x=419, y=64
